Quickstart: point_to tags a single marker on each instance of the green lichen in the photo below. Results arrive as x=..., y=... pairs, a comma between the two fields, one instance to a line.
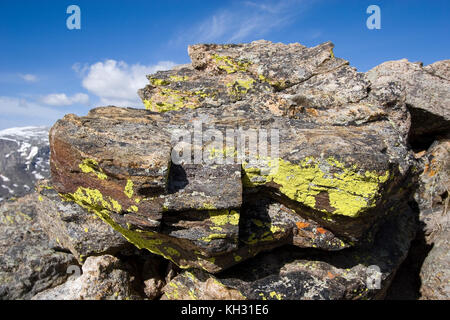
x=91, y=166
x=350, y=191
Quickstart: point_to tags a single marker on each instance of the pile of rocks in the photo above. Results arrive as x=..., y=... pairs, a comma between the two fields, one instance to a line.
x=259, y=171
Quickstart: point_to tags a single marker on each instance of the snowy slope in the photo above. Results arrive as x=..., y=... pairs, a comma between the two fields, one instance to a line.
x=24, y=159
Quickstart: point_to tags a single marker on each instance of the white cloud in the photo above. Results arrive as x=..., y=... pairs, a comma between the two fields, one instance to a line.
x=23, y=108
x=61, y=99
x=244, y=21
x=29, y=77
x=116, y=82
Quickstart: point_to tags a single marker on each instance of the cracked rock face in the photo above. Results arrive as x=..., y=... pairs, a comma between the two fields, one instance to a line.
x=334, y=162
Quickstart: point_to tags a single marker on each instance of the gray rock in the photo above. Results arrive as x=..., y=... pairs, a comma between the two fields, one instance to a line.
x=103, y=278
x=435, y=272
x=426, y=91
x=29, y=261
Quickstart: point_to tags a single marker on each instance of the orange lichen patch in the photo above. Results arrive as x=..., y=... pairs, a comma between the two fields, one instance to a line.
x=321, y=230
x=330, y=275
x=302, y=225
x=312, y=112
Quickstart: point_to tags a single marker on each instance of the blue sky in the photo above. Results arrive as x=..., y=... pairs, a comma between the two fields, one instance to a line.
x=47, y=70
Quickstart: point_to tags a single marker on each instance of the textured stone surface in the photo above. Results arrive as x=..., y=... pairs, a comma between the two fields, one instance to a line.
x=342, y=162
x=432, y=198
x=75, y=229
x=426, y=92
x=103, y=278
x=432, y=195
x=435, y=272
x=29, y=261
x=292, y=274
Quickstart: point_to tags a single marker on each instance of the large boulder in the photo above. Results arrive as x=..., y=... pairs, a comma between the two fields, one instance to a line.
x=337, y=166
x=29, y=261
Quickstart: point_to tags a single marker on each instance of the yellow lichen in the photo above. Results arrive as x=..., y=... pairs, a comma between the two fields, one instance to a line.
x=230, y=65
x=129, y=189
x=350, y=191
x=223, y=217
x=91, y=166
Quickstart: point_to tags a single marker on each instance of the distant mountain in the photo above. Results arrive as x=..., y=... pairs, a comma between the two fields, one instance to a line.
x=24, y=159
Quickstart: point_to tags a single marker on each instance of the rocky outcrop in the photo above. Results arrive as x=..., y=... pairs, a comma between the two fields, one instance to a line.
x=258, y=171
x=330, y=185
x=29, y=261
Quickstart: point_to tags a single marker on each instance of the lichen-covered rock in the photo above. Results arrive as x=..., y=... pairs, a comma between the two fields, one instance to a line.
x=75, y=229
x=338, y=162
x=29, y=261
x=293, y=274
x=103, y=278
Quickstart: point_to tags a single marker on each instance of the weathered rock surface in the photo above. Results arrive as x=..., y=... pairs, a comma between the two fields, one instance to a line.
x=103, y=278
x=29, y=261
x=426, y=92
x=75, y=229
x=292, y=274
x=338, y=166
x=435, y=272
x=432, y=197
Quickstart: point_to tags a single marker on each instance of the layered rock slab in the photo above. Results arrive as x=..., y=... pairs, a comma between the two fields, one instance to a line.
x=290, y=274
